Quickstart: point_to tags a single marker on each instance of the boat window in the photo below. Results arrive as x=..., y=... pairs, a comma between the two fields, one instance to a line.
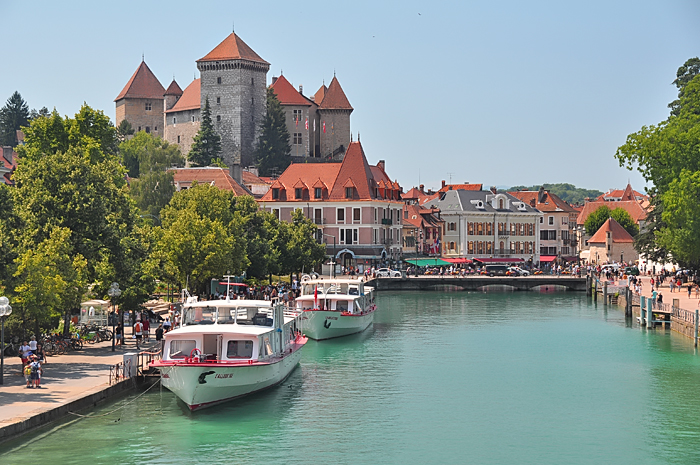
x=200, y=316
x=181, y=348
x=341, y=305
x=354, y=290
x=254, y=316
x=240, y=349
x=226, y=316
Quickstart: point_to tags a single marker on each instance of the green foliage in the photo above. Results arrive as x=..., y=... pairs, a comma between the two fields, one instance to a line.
x=596, y=219
x=668, y=155
x=567, y=192
x=13, y=116
x=273, y=149
x=206, y=146
x=124, y=130
x=34, y=114
x=301, y=251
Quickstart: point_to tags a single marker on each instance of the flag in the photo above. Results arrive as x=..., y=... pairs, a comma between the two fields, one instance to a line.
x=296, y=121
x=314, y=125
x=316, y=297
x=307, y=124
x=324, y=127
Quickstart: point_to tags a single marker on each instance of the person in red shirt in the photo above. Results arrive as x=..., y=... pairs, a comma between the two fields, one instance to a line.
x=146, y=328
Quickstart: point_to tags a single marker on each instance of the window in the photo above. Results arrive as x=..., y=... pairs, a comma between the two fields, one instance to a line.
x=548, y=235
x=218, y=100
x=276, y=212
x=375, y=236
x=148, y=106
x=139, y=128
x=541, y=219
x=348, y=192
x=354, y=235
x=452, y=245
x=218, y=118
x=479, y=229
x=193, y=118
x=470, y=247
x=341, y=215
x=178, y=139
x=551, y=220
x=317, y=192
x=148, y=129
x=356, y=214
x=181, y=348
x=239, y=349
x=174, y=120
x=375, y=215
x=297, y=138
x=218, y=80
x=564, y=220
x=565, y=251
x=156, y=128
x=500, y=204
x=275, y=193
x=298, y=193
x=489, y=229
x=318, y=215
x=252, y=82
x=296, y=116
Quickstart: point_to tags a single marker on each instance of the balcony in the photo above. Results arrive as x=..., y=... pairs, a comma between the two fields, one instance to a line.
x=318, y=220
x=386, y=221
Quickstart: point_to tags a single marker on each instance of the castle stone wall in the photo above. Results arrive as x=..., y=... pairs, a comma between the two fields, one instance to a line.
x=183, y=125
x=337, y=130
x=134, y=111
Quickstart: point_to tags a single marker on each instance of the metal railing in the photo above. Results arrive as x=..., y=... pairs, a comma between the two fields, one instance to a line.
x=116, y=373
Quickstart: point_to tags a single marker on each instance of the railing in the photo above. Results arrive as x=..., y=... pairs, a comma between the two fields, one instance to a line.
x=116, y=373
x=387, y=221
x=685, y=316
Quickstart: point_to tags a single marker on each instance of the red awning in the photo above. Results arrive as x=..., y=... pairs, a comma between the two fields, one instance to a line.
x=224, y=283
x=457, y=261
x=499, y=260
x=547, y=258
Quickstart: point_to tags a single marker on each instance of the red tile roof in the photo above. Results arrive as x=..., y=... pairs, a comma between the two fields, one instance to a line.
x=320, y=93
x=631, y=206
x=627, y=194
x=461, y=187
x=354, y=166
x=249, y=178
x=334, y=98
x=286, y=93
x=619, y=234
x=173, y=89
x=191, y=98
x=143, y=84
x=213, y=175
x=7, y=166
x=232, y=48
x=551, y=202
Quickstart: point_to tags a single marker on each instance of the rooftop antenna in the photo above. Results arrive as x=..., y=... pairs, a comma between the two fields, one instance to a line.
x=450, y=175
x=142, y=56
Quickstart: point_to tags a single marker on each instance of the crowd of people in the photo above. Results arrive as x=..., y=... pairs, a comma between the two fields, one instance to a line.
x=32, y=355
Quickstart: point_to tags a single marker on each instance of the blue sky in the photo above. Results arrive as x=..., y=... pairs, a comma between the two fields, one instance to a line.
x=499, y=93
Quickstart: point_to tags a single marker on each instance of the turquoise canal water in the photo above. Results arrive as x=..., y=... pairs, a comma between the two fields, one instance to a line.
x=442, y=377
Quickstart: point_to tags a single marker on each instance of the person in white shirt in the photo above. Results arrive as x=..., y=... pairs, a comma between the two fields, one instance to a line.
x=32, y=344
x=24, y=351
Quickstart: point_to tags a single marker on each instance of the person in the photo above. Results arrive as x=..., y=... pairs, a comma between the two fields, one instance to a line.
x=146, y=328
x=32, y=344
x=660, y=299
x=138, y=332
x=166, y=324
x=27, y=375
x=690, y=288
x=159, y=335
x=119, y=334
x=24, y=351
x=40, y=355
x=653, y=298
x=36, y=371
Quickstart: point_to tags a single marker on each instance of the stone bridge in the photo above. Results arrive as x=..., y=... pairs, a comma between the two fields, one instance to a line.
x=472, y=283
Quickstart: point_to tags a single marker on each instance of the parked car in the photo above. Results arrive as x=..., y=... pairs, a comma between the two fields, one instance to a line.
x=517, y=271
x=613, y=267
x=632, y=270
x=496, y=270
x=388, y=273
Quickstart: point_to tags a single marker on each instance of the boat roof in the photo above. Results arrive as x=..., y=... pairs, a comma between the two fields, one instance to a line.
x=334, y=281
x=234, y=303
x=228, y=329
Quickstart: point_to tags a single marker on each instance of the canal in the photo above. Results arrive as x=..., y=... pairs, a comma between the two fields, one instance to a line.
x=441, y=377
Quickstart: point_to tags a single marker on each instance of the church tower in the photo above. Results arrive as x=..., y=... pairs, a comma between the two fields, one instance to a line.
x=234, y=79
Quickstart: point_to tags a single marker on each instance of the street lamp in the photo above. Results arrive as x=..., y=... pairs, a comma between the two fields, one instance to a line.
x=622, y=260
x=113, y=292
x=333, y=260
x=5, y=310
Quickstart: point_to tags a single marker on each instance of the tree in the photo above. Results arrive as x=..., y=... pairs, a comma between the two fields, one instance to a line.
x=302, y=251
x=596, y=219
x=124, y=130
x=684, y=75
x=206, y=146
x=13, y=116
x=668, y=156
x=273, y=149
x=567, y=192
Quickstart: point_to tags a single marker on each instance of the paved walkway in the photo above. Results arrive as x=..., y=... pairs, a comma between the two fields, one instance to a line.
x=66, y=378
x=684, y=302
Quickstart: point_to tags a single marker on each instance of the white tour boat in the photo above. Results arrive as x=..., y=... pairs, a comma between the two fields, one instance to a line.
x=225, y=349
x=335, y=307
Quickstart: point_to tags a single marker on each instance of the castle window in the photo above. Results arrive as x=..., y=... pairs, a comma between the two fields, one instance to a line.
x=218, y=100
x=296, y=116
x=148, y=106
x=317, y=193
x=193, y=118
x=298, y=193
x=218, y=117
x=139, y=128
x=148, y=129
x=218, y=80
x=174, y=120
x=178, y=139
x=252, y=82
x=156, y=128
x=297, y=138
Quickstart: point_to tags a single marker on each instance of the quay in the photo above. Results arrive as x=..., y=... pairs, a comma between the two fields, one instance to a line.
x=477, y=282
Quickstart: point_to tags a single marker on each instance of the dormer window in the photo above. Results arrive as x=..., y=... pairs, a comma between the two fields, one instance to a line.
x=275, y=193
x=348, y=192
x=298, y=193
x=500, y=204
x=318, y=192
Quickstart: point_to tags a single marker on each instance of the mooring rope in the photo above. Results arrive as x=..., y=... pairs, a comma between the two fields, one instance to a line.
x=119, y=408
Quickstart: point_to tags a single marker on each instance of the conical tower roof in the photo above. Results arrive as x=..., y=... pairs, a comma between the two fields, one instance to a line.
x=143, y=84
x=355, y=172
x=287, y=94
x=334, y=98
x=233, y=48
x=173, y=89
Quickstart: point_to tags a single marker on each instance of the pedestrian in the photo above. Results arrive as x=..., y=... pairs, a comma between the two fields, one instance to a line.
x=40, y=355
x=166, y=324
x=146, y=329
x=35, y=372
x=32, y=344
x=27, y=370
x=672, y=285
x=159, y=335
x=653, y=298
x=138, y=333
x=690, y=288
x=24, y=351
x=119, y=334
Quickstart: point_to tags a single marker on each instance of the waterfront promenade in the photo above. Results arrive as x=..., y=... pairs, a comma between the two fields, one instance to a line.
x=66, y=378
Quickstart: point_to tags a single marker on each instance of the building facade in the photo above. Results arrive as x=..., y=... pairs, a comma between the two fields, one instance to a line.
x=141, y=102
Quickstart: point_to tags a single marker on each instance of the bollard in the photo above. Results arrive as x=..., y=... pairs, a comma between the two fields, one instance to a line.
x=650, y=314
x=642, y=309
x=589, y=285
x=628, y=302
x=605, y=293
x=595, y=290
x=696, y=328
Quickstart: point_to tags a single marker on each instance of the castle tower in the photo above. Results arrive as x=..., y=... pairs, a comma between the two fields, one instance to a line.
x=141, y=102
x=172, y=95
x=234, y=79
x=334, y=117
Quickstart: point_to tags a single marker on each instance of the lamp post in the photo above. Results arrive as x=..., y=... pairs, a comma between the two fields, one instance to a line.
x=622, y=259
x=5, y=310
x=333, y=260
x=113, y=292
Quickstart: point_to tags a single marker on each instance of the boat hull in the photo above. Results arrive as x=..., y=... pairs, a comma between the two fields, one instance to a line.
x=223, y=382
x=322, y=324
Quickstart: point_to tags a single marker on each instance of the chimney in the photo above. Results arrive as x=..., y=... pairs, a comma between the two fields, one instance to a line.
x=301, y=89
x=541, y=195
x=274, y=79
x=235, y=172
x=493, y=189
x=382, y=165
x=443, y=183
x=7, y=154
x=421, y=188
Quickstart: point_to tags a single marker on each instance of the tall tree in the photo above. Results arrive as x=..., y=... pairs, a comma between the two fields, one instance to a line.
x=684, y=75
x=273, y=149
x=124, y=130
x=13, y=116
x=206, y=146
x=596, y=219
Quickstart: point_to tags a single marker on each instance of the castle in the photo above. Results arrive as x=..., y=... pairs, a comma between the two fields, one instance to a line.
x=234, y=80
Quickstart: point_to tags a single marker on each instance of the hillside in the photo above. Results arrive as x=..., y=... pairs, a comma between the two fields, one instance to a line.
x=567, y=192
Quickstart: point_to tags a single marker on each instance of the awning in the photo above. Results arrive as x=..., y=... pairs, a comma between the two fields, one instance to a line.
x=499, y=260
x=427, y=261
x=457, y=261
x=547, y=258
x=224, y=283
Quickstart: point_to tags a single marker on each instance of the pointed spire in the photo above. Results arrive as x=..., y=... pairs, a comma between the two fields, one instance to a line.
x=334, y=98
x=233, y=48
x=143, y=84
